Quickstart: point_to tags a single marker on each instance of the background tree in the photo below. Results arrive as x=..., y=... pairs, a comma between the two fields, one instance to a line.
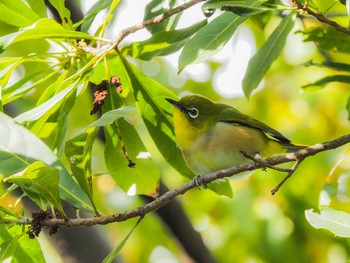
x=86, y=132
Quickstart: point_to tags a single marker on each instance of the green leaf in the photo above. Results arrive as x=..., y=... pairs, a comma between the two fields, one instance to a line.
x=79, y=152
x=126, y=157
x=42, y=179
x=161, y=43
x=157, y=115
x=17, y=90
x=115, y=252
x=338, y=222
x=329, y=64
x=209, y=40
x=19, y=148
x=38, y=6
x=43, y=28
x=63, y=12
x=110, y=116
x=155, y=8
x=16, y=13
x=260, y=63
x=16, y=246
x=89, y=17
x=326, y=80
x=48, y=105
x=327, y=38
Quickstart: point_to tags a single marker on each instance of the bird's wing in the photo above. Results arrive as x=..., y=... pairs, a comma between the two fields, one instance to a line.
x=233, y=116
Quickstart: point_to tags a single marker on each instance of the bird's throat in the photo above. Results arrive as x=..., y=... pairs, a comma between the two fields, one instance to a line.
x=185, y=131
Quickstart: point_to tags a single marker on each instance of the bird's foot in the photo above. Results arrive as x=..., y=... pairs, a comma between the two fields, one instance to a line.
x=198, y=182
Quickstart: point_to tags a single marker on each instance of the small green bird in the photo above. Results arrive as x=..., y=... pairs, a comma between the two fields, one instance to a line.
x=212, y=136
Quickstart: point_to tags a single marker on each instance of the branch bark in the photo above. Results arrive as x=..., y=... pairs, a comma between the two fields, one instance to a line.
x=172, y=194
x=320, y=17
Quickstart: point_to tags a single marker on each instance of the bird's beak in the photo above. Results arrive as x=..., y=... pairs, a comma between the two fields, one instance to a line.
x=176, y=104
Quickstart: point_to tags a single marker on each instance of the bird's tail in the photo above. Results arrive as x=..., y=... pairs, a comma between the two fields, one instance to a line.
x=294, y=147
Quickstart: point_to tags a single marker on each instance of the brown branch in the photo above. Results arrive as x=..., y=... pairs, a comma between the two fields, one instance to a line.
x=205, y=179
x=155, y=20
x=320, y=17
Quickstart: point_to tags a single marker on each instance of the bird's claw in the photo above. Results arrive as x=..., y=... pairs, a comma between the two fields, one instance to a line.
x=198, y=182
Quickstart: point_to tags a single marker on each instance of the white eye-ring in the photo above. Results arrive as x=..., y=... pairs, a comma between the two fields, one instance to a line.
x=193, y=113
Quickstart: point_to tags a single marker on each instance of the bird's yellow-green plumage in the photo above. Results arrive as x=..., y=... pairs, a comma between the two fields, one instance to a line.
x=212, y=136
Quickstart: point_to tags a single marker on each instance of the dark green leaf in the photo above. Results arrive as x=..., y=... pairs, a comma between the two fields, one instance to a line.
x=161, y=43
x=324, y=81
x=209, y=40
x=327, y=39
x=260, y=63
x=16, y=13
x=241, y=8
x=126, y=157
x=329, y=64
x=338, y=222
x=24, y=149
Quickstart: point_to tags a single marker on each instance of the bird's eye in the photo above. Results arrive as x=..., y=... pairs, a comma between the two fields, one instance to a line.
x=193, y=113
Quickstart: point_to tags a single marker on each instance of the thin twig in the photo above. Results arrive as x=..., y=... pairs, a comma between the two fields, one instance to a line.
x=170, y=195
x=155, y=20
x=320, y=17
x=290, y=173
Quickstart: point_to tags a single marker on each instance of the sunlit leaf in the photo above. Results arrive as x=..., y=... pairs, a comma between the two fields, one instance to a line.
x=16, y=246
x=338, y=222
x=43, y=108
x=63, y=12
x=19, y=148
x=260, y=63
x=161, y=43
x=91, y=14
x=16, y=13
x=38, y=6
x=41, y=178
x=43, y=28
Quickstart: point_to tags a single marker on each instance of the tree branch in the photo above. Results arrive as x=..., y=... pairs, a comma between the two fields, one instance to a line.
x=155, y=20
x=320, y=17
x=170, y=195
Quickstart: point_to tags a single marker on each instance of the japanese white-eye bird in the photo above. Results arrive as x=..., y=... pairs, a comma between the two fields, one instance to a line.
x=212, y=136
